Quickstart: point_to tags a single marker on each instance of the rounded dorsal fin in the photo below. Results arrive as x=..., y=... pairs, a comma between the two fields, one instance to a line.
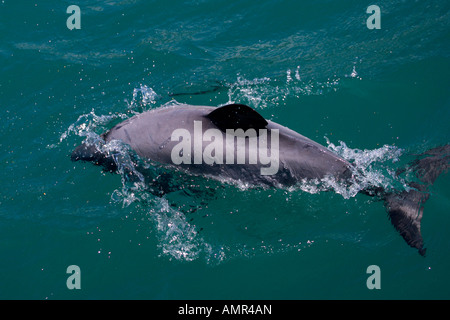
x=237, y=116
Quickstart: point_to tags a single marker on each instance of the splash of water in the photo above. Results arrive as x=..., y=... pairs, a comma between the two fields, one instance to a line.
x=143, y=97
x=372, y=168
x=263, y=92
x=178, y=239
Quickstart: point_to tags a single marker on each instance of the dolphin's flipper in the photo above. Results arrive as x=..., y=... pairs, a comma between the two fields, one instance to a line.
x=405, y=209
x=237, y=116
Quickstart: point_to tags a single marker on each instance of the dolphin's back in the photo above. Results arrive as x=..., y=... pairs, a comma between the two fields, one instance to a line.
x=149, y=133
x=307, y=159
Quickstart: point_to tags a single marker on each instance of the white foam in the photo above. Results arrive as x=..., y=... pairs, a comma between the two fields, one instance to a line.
x=143, y=96
x=178, y=239
x=372, y=168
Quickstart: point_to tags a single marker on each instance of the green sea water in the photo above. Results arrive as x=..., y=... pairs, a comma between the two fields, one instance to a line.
x=376, y=96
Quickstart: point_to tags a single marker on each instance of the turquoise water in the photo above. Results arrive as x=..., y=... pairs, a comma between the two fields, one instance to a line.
x=375, y=96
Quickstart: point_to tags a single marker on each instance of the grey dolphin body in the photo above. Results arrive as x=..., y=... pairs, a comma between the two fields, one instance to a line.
x=150, y=135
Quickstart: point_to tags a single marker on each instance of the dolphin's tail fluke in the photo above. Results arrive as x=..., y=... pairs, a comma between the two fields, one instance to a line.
x=91, y=153
x=405, y=209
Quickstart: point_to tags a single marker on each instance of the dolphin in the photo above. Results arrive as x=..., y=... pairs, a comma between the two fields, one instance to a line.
x=234, y=142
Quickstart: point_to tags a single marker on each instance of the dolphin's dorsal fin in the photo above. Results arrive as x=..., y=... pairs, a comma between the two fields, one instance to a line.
x=237, y=116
